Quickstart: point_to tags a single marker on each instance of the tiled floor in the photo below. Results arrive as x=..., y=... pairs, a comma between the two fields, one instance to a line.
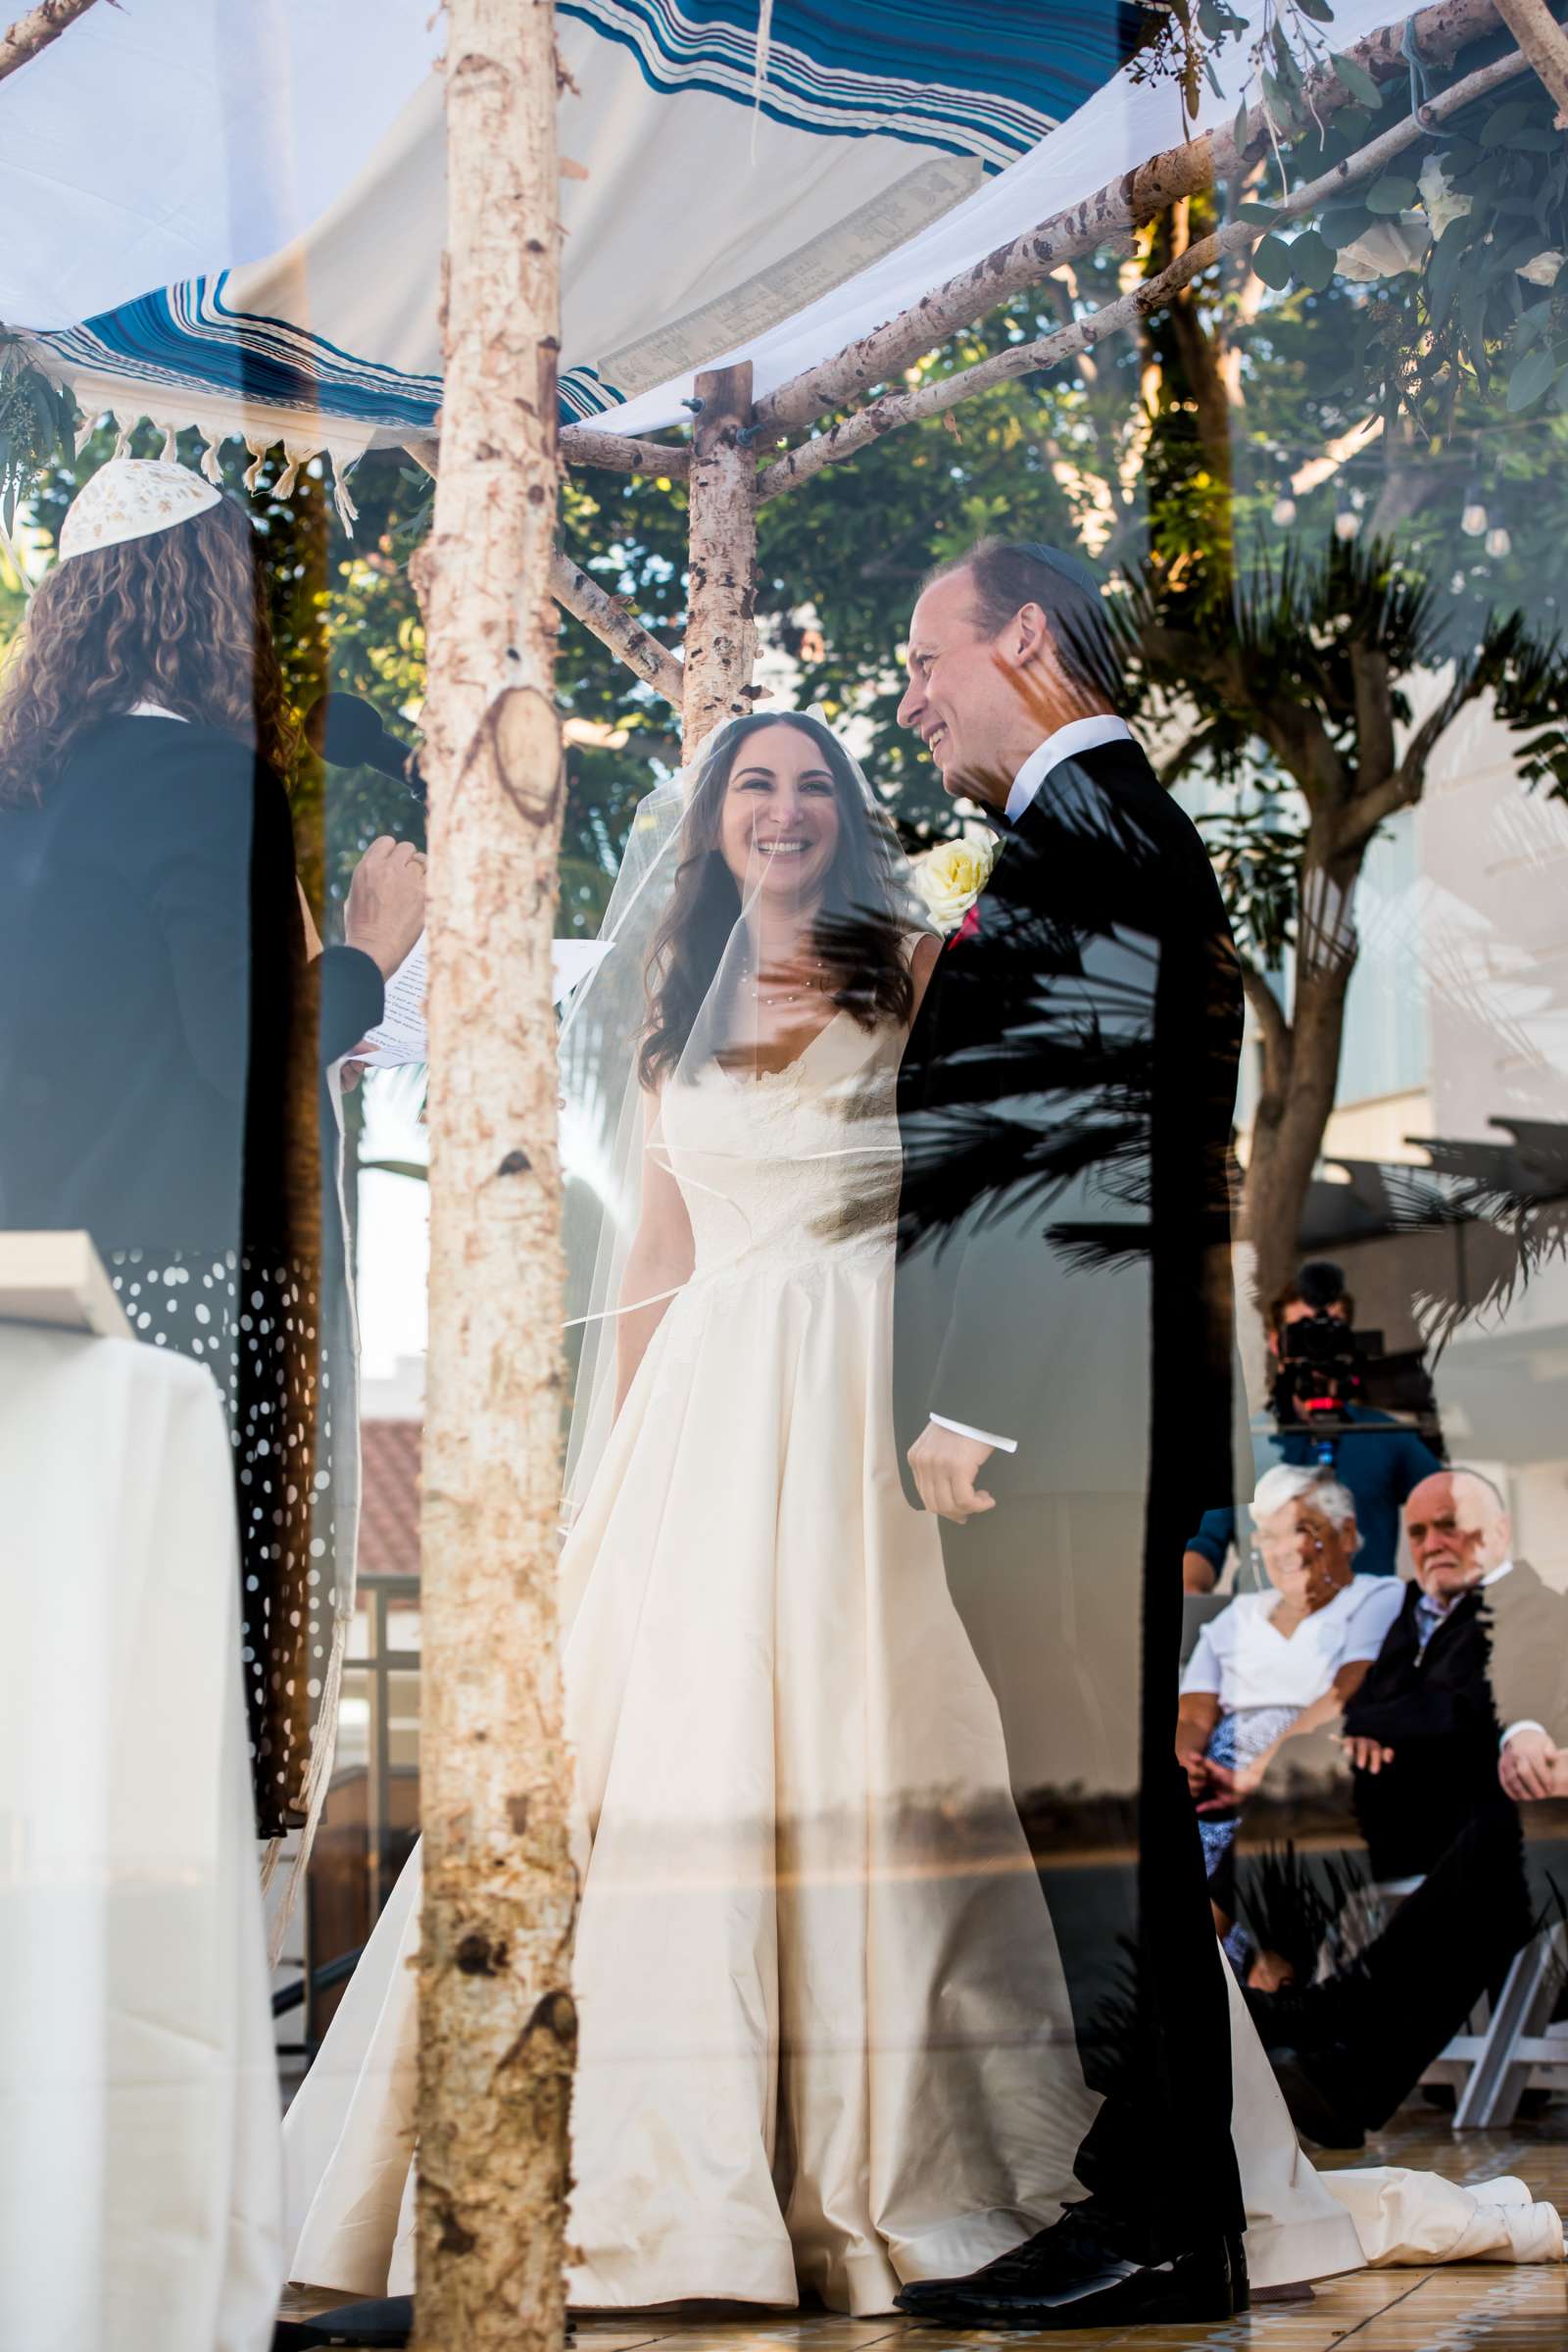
x=1477, y=2307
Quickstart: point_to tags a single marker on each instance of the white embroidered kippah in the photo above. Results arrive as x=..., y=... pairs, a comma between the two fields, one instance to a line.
x=131, y=498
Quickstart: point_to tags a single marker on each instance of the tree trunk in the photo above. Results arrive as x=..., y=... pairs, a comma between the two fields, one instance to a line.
x=497, y=2026
x=720, y=647
x=1300, y=1079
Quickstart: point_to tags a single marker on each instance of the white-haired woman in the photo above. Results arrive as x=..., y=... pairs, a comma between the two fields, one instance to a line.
x=1282, y=1659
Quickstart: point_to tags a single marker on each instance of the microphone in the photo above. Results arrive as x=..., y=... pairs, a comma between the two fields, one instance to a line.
x=346, y=731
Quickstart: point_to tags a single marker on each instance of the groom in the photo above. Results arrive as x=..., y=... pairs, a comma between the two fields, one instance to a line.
x=1063, y=1382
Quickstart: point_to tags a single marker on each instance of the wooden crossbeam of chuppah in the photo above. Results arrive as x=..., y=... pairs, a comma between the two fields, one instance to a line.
x=36, y=29
x=578, y=593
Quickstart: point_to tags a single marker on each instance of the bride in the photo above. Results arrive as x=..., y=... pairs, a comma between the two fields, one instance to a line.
x=825, y=2041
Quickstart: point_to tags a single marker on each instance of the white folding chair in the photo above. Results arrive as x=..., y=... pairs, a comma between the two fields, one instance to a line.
x=1509, y=2040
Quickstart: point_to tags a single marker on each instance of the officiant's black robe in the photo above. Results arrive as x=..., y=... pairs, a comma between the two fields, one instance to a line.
x=1065, y=1108
x=162, y=1039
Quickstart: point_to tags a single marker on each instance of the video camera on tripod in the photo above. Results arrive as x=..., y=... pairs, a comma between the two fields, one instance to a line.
x=1326, y=1368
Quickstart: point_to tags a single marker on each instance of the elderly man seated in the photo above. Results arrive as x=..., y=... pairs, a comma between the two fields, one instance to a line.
x=1280, y=1661
x=1477, y=1653
x=1456, y=1723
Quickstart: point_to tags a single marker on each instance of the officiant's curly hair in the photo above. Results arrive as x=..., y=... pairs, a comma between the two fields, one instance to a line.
x=178, y=617
x=859, y=929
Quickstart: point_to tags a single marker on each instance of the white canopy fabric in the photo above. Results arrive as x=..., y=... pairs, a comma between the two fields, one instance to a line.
x=168, y=139
x=891, y=148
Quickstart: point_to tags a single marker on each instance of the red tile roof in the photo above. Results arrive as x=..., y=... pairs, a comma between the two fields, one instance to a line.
x=389, y=1501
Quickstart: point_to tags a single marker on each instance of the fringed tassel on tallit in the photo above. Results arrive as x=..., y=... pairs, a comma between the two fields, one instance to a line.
x=343, y=461
x=295, y=455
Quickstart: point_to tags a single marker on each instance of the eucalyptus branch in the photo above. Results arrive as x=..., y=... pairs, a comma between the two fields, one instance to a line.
x=36, y=29
x=1124, y=204
x=893, y=408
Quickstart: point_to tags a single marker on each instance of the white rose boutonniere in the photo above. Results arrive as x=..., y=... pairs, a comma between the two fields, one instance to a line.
x=950, y=877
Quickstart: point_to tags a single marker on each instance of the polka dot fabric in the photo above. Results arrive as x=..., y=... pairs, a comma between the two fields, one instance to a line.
x=256, y=1329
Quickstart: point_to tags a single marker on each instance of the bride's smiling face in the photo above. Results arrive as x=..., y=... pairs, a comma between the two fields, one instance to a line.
x=778, y=822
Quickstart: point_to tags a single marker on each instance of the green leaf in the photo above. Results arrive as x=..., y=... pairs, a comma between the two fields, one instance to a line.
x=1472, y=328
x=1443, y=265
x=1343, y=223
x=1273, y=263
x=1279, y=104
x=1318, y=10
x=1312, y=261
x=1531, y=324
x=1261, y=216
x=1532, y=376
x=1286, y=59
x=1503, y=120
x=1242, y=129
x=1392, y=194
x=1353, y=76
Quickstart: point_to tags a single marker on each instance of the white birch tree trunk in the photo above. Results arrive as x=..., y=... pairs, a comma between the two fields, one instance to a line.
x=720, y=648
x=497, y=2026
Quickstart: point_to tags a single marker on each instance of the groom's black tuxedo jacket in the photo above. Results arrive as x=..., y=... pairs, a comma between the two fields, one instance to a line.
x=1064, y=1111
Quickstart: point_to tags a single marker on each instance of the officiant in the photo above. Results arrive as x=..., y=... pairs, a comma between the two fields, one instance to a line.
x=169, y=1015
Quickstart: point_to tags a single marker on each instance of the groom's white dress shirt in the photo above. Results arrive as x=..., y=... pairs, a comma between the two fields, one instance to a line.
x=1077, y=736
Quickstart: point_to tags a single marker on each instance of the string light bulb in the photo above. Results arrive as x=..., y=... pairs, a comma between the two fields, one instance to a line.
x=1347, y=523
x=1499, y=542
x=1285, y=510
x=1473, y=521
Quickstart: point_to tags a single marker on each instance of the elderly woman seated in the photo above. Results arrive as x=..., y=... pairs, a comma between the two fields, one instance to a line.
x=1281, y=1660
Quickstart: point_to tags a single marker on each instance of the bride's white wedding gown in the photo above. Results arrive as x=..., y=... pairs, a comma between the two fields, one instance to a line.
x=826, y=2037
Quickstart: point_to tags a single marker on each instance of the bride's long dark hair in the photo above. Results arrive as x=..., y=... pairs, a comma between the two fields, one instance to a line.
x=858, y=929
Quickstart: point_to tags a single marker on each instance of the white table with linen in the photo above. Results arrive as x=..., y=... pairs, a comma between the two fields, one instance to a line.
x=141, y=2169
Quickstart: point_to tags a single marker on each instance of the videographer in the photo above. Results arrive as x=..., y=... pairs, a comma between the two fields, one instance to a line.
x=1314, y=1420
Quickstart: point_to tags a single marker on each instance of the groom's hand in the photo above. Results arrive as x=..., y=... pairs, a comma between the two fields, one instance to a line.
x=946, y=1466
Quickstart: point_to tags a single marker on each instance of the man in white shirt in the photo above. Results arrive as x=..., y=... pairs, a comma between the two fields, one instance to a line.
x=1062, y=1372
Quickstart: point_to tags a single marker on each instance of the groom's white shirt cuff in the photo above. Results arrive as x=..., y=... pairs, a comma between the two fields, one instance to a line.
x=1077, y=736
x=961, y=1429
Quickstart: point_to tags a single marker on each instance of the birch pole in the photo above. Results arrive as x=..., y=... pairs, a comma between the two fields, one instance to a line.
x=1545, y=44
x=720, y=647
x=497, y=2026
x=36, y=29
